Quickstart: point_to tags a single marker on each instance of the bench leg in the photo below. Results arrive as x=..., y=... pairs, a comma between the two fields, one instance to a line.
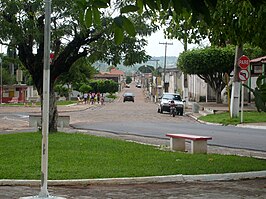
x=61, y=124
x=199, y=146
x=177, y=144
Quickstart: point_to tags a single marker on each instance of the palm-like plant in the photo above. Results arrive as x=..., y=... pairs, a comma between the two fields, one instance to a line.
x=259, y=93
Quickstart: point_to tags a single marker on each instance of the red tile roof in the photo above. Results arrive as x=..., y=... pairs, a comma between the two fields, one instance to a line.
x=259, y=59
x=113, y=71
x=117, y=72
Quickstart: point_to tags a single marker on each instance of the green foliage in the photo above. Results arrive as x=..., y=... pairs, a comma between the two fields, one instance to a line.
x=85, y=88
x=259, y=93
x=79, y=73
x=102, y=86
x=225, y=118
x=7, y=78
x=61, y=90
x=207, y=61
x=111, y=86
x=128, y=80
x=243, y=18
x=182, y=26
x=112, y=96
x=253, y=51
x=146, y=69
x=123, y=24
x=210, y=64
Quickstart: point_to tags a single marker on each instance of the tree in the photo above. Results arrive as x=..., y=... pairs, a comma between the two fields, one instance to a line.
x=243, y=18
x=84, y=88
x=146, y=69
x=79, y=73
x=233, y=22
x=111, y=86
x=260, y=93
x=128, y=80
x=210, y=64
x=73, y=36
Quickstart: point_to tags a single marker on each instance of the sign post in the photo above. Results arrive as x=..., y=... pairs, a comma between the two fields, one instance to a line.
x=243, y=75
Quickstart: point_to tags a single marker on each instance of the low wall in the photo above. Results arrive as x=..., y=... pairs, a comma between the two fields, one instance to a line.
x=62, y=121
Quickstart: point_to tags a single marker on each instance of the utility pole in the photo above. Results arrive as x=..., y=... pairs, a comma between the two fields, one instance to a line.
x=164, y=68
x=156, y=80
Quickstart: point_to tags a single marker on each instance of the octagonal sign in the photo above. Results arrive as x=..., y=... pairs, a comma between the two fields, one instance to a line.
x=243, y=62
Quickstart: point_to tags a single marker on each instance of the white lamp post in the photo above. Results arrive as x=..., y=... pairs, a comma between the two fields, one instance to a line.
x=45, y=114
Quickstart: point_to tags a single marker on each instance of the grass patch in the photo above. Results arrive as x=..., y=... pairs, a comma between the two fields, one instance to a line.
x=112, y=96
x=67, y=102
x=224, y=118
x=79, y=156
x=12, y=104
x=39, y=103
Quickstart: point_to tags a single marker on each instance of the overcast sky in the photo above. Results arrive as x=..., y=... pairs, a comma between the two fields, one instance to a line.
x=157, y=50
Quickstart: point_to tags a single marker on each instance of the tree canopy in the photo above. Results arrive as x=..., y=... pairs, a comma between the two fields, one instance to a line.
x=79, y=29
x=210, y=64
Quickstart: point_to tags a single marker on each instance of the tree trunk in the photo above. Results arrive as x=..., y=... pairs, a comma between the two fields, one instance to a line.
x=53, y=112
x=218, y=97
x=235, y=94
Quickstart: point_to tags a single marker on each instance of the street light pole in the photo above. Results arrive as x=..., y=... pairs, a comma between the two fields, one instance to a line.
x=44, y=194
x=164, y=68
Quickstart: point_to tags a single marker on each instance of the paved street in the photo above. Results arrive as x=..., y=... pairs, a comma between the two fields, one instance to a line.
x=14, y=119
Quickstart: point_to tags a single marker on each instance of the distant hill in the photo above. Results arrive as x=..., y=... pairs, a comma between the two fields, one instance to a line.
x=170, y=63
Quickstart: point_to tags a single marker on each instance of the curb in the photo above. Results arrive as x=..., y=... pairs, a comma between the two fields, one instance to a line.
x=141, y=180
x=217, y=124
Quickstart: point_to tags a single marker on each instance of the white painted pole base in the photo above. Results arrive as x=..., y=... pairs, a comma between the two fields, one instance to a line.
x=235, y=100
x=39, y=197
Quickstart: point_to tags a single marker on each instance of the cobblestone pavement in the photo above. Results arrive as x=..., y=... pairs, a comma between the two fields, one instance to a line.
x=245, y=189
x=255, y=188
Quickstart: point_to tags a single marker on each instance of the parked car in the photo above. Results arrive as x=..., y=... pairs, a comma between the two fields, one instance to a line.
x=128, y=97
x=138, y=85
x=165, y=99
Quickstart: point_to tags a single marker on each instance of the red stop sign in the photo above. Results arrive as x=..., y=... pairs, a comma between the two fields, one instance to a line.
x=243, y=62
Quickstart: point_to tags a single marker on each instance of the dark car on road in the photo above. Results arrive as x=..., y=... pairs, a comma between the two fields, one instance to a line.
x=138, y=85
x=128, y=97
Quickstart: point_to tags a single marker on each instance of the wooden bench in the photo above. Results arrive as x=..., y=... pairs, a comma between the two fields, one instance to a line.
x=198, y=143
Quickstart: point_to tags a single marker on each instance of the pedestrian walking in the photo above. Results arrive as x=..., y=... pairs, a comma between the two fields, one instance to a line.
x=80, y=101
x=98, y=97
x=85, y=98
x=92, y=98
x=102, y=100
